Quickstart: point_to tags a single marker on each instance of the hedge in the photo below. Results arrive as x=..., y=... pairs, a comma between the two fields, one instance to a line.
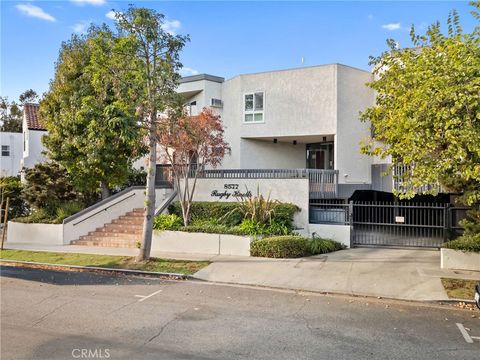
x=470, y=243
x=279, y=247
x=224, y=213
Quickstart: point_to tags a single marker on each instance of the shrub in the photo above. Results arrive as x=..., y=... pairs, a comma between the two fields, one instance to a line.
x=214, y=211
x=321, y=246
x=167, y=222
x=258, y=209
x=226, y=213
x=67, y=209
x=47, y=186
x=11, y=187
x=38, y=216
x=52, y=216
x=279, y=247
x=470, y=243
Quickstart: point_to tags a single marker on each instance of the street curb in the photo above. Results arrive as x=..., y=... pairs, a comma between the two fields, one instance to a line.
x=319, y=292
x=96, y=269
x=176, y=276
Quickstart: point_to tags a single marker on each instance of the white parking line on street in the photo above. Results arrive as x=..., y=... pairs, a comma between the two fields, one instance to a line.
x=145, y=297
x=465, y=334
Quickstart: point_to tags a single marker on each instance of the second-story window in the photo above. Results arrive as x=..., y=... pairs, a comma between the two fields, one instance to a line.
x=5, y=150
x=253, y=107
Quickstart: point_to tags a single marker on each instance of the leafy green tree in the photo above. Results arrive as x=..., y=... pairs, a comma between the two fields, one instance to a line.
x=92, y=130
x=154, y=63
x=427, y=111
x=11, y=113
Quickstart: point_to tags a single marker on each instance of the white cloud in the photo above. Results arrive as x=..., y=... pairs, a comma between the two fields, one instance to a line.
x=81, y=27
x=171, y=26
x=370, y=17
x=110, y=15
x=34, y=11
x=89, y=2
x=186, y=71
x=391, y=26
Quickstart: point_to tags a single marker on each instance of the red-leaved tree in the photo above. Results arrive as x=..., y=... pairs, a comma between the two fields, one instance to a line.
x=190, y=143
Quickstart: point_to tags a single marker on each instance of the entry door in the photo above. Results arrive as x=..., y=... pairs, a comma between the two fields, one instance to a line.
x=320, y=156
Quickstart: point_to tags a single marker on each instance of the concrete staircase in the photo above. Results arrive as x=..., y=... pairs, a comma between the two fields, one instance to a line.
x=123, y=232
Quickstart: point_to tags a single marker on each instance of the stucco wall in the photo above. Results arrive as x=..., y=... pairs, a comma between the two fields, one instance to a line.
x=293, y=191
x=340, y=233
x=353, y=97
x=41, y=234
x=33, y=152
x=261, y=154
x=297, y=102
x=10, y=165
x=200, y=243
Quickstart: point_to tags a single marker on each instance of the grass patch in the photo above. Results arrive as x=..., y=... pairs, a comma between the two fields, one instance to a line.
x=105, y=261
x=459, y=289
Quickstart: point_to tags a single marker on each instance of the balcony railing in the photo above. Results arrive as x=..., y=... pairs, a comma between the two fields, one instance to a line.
x=323, y=184
x=399, y=172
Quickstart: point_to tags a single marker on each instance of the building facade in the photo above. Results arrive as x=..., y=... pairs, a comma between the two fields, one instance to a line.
x=304, y=118
x=11, y=153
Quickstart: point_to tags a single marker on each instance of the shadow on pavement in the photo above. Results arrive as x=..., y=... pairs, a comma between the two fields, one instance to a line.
x=56, y=277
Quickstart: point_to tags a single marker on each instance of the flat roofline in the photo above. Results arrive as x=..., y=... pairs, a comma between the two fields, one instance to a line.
x=301, y=68
x=199, y=77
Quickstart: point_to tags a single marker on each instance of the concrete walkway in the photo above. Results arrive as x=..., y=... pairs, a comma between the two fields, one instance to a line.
x=390, y=273
x=408, y=274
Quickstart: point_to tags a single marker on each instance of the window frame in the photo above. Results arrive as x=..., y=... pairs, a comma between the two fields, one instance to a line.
x=7, y=150
x=253, y=111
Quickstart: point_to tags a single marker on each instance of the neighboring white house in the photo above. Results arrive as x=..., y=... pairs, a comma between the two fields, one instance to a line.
x=11, y=153
x=289, y=119
x=33, y=131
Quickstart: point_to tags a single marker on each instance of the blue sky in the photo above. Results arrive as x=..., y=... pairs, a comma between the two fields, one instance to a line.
x=227, y=38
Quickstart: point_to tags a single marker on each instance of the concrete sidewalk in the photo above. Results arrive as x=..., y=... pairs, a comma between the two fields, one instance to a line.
x=391, y=273
x=408, y=274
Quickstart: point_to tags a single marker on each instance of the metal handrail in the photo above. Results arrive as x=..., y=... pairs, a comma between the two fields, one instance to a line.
x=105, y=209
x=100, y=203
x=167, y=202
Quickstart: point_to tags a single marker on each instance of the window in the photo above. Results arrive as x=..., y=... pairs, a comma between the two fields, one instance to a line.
x=5, y=150
x=253, y=107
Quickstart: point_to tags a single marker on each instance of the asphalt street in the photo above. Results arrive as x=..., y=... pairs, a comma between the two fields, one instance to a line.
x=58, y=315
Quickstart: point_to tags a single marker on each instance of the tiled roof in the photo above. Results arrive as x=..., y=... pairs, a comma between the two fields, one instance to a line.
x=31, y=114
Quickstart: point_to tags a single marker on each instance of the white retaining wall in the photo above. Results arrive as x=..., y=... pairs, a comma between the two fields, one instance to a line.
x=44, y=234
x=294, y=191
x=200, y=243
x=340, y=233
x=459, y=260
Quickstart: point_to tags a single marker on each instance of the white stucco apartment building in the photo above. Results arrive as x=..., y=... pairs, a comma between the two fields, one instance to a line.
x=11, y=153
x=25, y=149
x=292, y=119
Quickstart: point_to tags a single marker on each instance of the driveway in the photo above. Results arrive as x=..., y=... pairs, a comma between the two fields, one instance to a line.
x=408, y=274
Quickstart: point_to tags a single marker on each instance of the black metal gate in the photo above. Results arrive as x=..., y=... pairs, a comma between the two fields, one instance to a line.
x=399, y=224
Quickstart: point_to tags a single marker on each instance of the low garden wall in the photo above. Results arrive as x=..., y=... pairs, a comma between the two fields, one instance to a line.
x=44, y=234
x=200, y=243
x=340, y=233
x=459, y=260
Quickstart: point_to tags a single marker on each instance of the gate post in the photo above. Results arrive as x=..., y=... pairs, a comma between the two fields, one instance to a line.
x=446, y=221
x=350, y=221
